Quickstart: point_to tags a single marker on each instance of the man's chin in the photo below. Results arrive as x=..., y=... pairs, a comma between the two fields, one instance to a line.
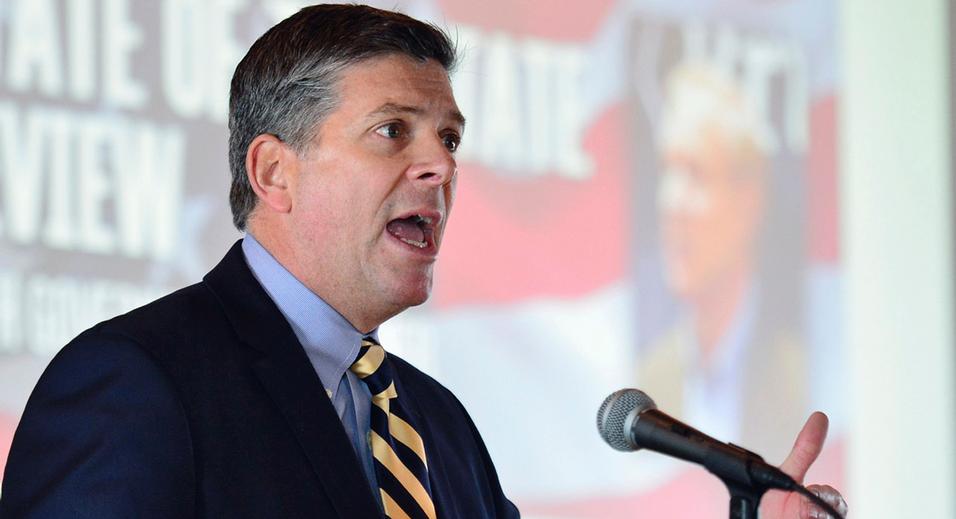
x=681, y=284
x=412, y=292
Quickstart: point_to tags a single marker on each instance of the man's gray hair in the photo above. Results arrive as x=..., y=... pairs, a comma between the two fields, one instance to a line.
x=702, y=96
x=286, y=84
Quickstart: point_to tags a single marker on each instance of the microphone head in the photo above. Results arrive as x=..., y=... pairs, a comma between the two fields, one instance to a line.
x=612, y=416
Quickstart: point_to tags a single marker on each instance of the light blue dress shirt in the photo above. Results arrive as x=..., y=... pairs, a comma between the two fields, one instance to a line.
x=329, y=340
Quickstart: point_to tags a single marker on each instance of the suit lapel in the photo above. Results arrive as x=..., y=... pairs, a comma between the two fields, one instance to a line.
x=291, y=382
x=445, y=505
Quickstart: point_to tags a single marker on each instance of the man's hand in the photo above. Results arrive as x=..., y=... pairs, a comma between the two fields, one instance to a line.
x=790, y=505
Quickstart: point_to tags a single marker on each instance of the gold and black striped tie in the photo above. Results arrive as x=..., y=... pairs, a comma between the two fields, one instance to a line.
x=399, y=453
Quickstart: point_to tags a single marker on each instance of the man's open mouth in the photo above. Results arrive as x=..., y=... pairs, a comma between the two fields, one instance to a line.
x=415, y=230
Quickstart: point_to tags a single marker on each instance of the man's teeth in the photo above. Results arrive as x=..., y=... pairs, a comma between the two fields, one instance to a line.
x=422, y=219
x=419, y=244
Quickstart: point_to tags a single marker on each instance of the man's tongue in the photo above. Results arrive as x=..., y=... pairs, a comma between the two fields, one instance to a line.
x=406, y=229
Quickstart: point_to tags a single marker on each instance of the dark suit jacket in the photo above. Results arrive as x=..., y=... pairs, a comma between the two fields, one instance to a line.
x=204, y=404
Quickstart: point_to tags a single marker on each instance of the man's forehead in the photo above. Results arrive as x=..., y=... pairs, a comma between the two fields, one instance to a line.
x=393, y=85
x=393, y=108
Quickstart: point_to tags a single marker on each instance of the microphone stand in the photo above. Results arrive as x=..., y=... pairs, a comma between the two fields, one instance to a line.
x=744, y=501
x=745, y=487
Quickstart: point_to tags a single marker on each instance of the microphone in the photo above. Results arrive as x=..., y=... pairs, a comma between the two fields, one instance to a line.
x=628, y=420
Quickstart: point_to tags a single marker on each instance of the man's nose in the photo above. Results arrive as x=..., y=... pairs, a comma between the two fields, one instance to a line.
x=678, y=192
x=434, y=164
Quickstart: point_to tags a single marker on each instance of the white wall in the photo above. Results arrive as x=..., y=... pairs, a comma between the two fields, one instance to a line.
x=897, y=229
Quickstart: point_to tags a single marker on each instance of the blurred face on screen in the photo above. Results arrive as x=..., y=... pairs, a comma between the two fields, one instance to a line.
x=710, y=203
x=375, y=188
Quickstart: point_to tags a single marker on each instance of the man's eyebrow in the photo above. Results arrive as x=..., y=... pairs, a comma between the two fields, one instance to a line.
x=394, y=109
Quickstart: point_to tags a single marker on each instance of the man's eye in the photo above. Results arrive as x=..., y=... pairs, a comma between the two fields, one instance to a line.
x=451, y=142
x=390, y=130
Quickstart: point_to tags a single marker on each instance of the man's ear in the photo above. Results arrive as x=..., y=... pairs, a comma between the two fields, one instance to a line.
x=270, y=167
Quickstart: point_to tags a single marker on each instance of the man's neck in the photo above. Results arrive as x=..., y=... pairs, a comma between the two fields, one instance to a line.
x=274, y=243
x=715, y=309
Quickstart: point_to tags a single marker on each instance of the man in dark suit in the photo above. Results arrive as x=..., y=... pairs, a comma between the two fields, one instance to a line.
x=234, y=397
x=261, y=391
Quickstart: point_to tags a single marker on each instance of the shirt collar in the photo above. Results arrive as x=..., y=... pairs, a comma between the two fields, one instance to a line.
x=732, y=346
x=329, y=340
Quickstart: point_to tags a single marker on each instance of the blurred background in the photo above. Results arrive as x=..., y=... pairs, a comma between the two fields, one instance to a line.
x=742, y=207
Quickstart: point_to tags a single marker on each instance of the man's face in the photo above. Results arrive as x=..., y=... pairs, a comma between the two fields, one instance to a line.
x=373, y=190
x=709, y=213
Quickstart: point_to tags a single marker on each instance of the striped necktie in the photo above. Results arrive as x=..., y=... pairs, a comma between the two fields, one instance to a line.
x=399, y=453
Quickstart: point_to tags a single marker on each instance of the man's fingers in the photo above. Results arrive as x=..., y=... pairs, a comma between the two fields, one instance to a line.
x=807, y=447
x=831, y=496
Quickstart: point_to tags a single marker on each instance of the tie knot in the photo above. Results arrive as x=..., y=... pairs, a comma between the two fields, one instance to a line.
x=370, y=365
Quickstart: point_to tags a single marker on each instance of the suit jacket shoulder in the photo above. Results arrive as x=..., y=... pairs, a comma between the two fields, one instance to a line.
x=200, y=404
x=102, y=412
